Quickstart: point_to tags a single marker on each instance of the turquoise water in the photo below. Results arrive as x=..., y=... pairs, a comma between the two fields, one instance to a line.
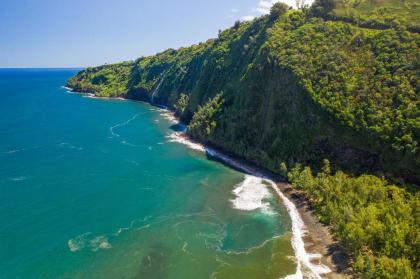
x=92, y=188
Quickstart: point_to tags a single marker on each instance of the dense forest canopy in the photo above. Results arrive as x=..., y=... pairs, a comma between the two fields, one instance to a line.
x=339, y=81
x=376, y=223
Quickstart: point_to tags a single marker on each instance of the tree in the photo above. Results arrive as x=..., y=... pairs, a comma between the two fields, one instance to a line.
x=277, y=10
x=300, y=4
x=204, y=120
x=181, y=104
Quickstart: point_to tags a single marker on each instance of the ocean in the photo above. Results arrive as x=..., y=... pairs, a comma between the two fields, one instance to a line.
x=98, y=188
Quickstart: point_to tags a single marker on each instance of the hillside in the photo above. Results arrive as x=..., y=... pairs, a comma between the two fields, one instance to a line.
x=296, y=88
x=380, y=14
x=335, y=87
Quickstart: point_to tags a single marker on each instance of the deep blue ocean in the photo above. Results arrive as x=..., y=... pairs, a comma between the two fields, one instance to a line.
x=94, y=188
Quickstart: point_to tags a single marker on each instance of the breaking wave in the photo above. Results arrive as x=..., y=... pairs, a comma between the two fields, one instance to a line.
x=180, y=138
x=251, y=195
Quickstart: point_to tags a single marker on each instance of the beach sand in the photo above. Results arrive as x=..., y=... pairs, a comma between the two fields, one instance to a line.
x=318, y=238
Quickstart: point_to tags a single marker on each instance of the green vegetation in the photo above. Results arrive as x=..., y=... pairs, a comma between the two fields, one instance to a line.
x=205, y=120
x=103, y=81
x=379, y=14
x=181, y=104
x=339, y=80
x=375, y=222
x=367, y=79
x=297, y=88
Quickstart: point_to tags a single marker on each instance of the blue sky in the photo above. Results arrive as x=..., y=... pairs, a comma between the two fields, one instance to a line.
x=80, y=33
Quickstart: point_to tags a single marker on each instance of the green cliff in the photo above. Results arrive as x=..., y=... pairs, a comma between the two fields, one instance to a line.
x=296, y=87
x=337, y=81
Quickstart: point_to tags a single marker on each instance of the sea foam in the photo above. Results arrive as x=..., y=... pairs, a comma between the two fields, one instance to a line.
x=168, y=116
x=88, y=240
x=305, y=266
x=78, y=243
x=180, y=138
x=19, y=178
x=91, y=95
x=111, y=129
x=251, y=195
x=13, y=151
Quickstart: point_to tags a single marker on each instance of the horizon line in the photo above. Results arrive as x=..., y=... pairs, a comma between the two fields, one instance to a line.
x=11, y=68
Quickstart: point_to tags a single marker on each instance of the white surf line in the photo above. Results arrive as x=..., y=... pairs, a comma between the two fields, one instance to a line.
x=168, y=115
x=305, y=269
x=93, y=96
x=90, y=95
x=67, y=88
x=177, y=137
x=111, y=129
x=85, y=94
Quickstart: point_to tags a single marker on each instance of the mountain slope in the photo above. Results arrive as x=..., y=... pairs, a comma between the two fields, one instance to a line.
x=295, y=88
x=380, y=14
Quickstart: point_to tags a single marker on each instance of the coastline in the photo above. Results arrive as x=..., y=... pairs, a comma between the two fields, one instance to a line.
x=321, y=250
x=318, y=238
x=317, y=253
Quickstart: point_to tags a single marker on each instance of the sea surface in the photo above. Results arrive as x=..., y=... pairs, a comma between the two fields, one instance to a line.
x=96, y=188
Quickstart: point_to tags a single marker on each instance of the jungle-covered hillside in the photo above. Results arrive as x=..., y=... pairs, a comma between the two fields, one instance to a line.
x=296, y=87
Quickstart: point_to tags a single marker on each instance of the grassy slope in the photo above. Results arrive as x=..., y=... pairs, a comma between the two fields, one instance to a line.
x=404, y=11
x=373, y=13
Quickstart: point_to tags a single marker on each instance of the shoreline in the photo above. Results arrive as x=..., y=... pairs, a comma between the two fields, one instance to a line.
x=318, y=254
x=318, y=245
x=318, y=238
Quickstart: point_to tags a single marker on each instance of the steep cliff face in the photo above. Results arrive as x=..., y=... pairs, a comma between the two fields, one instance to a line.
x=288, y=87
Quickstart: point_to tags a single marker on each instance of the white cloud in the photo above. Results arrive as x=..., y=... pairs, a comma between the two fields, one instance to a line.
x=264, y=6
x=233, y=13
x=247, y=18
